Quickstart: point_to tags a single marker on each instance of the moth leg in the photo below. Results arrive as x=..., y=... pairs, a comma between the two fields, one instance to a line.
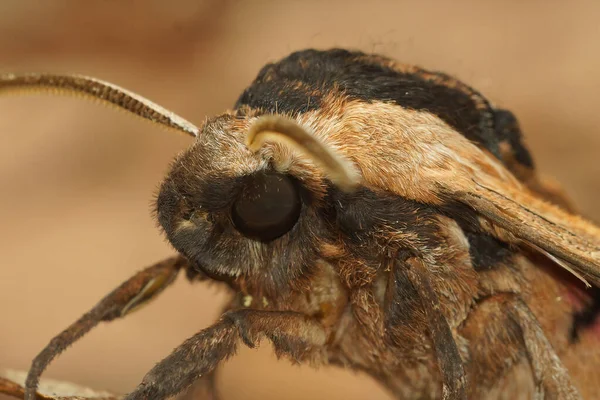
x=292, y=334
x=134, y=292
x=500, y=330
x=205, y=388
x=448, y=357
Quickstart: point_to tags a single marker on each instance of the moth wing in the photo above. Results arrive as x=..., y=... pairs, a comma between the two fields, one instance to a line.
x=566, y=238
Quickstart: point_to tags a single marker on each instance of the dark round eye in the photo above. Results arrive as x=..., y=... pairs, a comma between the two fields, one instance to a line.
x=268, y=207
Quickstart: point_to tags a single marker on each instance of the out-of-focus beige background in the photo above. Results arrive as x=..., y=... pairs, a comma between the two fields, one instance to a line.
x=77, y=180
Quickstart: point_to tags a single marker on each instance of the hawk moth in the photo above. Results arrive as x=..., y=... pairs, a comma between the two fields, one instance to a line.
x=367, y=214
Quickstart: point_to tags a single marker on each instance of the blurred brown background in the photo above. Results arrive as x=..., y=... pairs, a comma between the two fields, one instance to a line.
x=77, y=180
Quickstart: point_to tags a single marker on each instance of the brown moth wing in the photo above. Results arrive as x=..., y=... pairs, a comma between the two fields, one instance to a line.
x=557, y=233
x=522, y=212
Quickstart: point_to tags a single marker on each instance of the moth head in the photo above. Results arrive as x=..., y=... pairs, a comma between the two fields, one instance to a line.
x=246, y=198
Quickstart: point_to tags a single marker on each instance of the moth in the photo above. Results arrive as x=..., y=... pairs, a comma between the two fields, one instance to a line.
x=367, y=214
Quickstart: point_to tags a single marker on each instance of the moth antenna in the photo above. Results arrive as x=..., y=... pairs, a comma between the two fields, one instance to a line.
x=96, y=89
x=275, y=128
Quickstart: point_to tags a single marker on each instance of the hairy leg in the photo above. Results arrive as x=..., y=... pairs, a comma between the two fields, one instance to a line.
x=205, y=388
x=501, y=331
x=292, y=334
x=447, y=354
x=136, y=291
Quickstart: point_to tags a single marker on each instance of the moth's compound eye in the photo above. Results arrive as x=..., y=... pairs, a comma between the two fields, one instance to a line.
x=268, y=207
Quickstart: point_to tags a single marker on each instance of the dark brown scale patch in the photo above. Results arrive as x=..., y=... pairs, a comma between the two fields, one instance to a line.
x=508, y=130
x=485, y=251
x=299, y=83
